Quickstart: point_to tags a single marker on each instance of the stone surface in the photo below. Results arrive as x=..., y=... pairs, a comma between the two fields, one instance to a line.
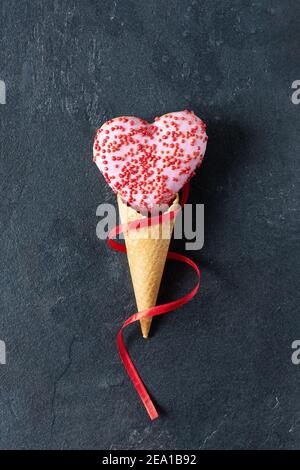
x=220, y=367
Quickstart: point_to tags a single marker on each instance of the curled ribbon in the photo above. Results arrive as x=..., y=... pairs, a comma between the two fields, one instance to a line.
x=154, y=311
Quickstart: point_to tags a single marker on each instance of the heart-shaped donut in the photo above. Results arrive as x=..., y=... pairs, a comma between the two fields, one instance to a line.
x=147, y=164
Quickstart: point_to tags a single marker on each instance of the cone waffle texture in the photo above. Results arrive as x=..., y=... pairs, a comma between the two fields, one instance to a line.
x=147, y=250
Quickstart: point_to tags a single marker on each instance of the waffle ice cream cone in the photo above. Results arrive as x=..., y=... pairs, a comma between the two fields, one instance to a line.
x=147, y=250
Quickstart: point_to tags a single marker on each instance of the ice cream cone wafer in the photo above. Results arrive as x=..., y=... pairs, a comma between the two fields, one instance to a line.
x=147, y=249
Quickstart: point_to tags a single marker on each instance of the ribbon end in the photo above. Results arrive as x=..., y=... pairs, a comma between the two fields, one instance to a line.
x=154, y=416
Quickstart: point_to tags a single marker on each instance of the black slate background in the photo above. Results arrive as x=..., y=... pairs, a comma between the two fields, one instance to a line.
x=220, y=368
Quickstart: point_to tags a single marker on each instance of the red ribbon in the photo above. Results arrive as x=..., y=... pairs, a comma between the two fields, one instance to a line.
x=154, y=311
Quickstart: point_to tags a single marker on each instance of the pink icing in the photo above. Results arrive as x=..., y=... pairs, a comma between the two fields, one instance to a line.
x=147, y=164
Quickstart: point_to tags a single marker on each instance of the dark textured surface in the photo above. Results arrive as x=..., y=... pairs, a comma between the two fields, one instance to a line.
x=220, y=367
